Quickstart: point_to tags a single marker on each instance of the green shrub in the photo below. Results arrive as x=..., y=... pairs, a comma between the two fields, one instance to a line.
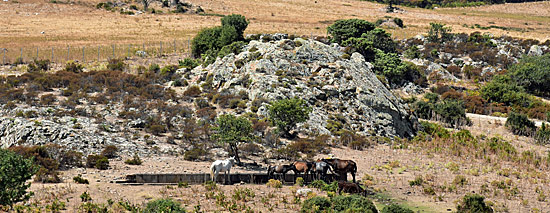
x=451, y=112
x=134, y=161
x=473, y=203
x=74, y=67
x=318, y=184
x=353, y=203
x=194, y=154
x=342, y=30
x=116, y=64
x=502, y=89
x=15, y=170
x=398, y=22
x=316, y=204
x=110, y=151
x=394, y=208
x=236, y=21
x=39, y=66
x=163, y=205
x=542, y=136
x=533, y=74
x=274, y=184
x=235, y=48
x=519, y=124
x=97, y=161
x=85, y=197
x=370, y=41
x=286, y=113
x=189, y=63
x=102, y=163
x=418, y=181
x=79, y=179
x=439, y=33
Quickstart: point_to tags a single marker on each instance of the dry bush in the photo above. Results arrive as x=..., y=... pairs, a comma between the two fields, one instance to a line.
x=110, y=151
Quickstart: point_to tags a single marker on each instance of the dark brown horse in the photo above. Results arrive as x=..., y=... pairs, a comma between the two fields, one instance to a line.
x=343, y=167
x=281, y=169
x=352, y=188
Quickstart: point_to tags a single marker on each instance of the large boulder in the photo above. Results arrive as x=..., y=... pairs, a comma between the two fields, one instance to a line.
x=333, y=83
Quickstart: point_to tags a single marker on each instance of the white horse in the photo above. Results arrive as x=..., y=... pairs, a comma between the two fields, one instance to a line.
x=221, y=166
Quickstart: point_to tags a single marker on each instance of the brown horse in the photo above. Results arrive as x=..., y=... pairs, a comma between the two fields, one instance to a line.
x=281, y=169
x=343, y=167
x=303, y=167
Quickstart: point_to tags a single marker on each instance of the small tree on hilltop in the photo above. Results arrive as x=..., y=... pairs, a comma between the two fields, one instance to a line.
x=237, y=21
x=231, y=130
x=286, y=113
x=342, y=30
x=15, y=170
x=439, y=33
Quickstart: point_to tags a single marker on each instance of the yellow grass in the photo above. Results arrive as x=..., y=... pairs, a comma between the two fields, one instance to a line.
x=81, y=24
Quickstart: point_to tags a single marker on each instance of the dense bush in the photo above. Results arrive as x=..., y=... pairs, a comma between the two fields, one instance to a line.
x=236, y=21
x=286, y=113
x=353, y=203
x=213, y=39
x=519, y=124
x=451, y=112
x=533, y=74
x=342, y=30
x=15, y=170
x=163, y=205
x=370, y=41
x=502, y=89
x=208, y=42
x=396, y=71
x=97, y=161
x=473, y=203
x=80, y=180
x=316, y=204
x=394, y=208
x=194, y=154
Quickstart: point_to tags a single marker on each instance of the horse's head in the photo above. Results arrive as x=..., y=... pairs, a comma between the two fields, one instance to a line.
x=231, y=159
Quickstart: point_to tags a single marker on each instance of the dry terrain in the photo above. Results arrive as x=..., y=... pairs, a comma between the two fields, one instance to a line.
x=392, y=169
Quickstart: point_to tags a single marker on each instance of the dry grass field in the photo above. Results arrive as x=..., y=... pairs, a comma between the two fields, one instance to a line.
x=79, y=23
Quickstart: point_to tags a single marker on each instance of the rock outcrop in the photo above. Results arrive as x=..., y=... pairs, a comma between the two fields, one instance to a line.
x=337, y=86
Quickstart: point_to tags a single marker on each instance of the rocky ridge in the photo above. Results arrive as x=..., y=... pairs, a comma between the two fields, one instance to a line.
x=337, y=86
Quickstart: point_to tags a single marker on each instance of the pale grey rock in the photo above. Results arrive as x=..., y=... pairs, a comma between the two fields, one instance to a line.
x=318, y=74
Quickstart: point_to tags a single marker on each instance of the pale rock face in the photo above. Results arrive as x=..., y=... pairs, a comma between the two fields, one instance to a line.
x=319, y=74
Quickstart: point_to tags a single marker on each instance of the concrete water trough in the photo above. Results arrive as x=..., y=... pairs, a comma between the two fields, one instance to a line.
x=199, y=178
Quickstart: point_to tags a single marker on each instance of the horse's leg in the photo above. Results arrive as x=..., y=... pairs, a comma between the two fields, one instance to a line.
x=353, y=175
x=229, y=176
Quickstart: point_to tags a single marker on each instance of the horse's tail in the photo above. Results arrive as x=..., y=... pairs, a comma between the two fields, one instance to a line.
x=212, y=172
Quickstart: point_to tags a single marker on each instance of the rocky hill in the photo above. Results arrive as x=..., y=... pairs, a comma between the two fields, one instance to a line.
x=152, y=113
x=342, y=89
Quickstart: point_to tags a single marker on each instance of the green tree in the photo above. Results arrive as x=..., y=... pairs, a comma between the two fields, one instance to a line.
x=213, y=39
x=370, y=41
x=236, y=21
x=439, y=33
x=342, y=30
x=390, y=66
x=15, y=170
x=286, y=113
x=533, y=74
x=231, y=130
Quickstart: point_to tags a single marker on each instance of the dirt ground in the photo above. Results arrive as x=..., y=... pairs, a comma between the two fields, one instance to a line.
x=392, y=169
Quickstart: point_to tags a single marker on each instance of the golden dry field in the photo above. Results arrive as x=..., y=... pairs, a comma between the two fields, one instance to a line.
x=79, y=23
